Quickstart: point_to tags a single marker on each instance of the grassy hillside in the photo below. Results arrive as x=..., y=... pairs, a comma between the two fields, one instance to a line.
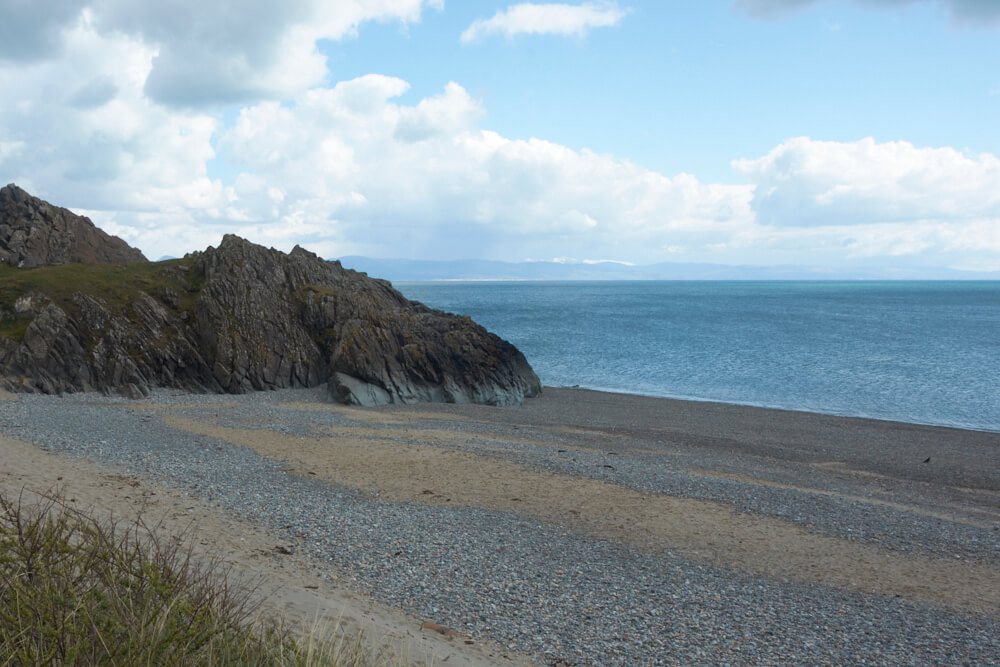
x=114, y=284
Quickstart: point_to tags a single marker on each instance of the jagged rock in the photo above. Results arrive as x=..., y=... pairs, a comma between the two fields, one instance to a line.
x=36, y=233
x=241, y=317
x=268, y=319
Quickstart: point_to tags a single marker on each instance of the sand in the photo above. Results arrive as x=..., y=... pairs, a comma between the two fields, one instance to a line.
x=422, y=470
x=420, y=454
x=288, y=585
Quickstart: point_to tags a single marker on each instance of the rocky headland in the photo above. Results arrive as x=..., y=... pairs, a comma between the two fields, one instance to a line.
x=233, y=319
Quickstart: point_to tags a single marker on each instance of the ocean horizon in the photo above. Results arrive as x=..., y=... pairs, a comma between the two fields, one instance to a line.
x=924, y=352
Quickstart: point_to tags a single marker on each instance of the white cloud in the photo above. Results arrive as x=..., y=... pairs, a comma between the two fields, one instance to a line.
x=207, y=53
x=804, y=182
x=351, y=170
x=10, y=149
x=353, y=158
x=963, y=12
x=29, y=32
x=551, y=18
x=865, y=202
x=80, y=125
x=453, y=111
x=970, y=245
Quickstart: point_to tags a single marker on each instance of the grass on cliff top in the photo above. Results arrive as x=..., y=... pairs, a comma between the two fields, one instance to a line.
x=77, y=591
x=115, y=284
x=112, y=282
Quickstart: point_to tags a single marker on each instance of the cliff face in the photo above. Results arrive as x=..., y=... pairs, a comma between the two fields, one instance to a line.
x=241, y=317
x=35, y=233
x=271, y=319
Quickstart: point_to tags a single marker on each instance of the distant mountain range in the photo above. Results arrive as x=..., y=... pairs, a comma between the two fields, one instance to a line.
x=404, y=270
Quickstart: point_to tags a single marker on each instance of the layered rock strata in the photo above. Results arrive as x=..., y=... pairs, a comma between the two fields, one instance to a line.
x=240, y=318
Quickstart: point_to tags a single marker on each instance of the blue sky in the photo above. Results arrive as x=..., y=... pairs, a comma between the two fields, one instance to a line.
x=689, y=86
x=839, y=133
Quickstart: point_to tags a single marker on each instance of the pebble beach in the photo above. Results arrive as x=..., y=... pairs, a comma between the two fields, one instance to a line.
x=588, y=528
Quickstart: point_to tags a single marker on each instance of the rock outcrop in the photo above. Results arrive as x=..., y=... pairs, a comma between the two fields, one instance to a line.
x=36, y=233
x=240, y=318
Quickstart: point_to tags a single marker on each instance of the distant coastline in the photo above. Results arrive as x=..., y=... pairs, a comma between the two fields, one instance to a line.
x=476, y=270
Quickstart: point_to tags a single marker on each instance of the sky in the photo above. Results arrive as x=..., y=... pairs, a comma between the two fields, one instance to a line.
x=848, y=134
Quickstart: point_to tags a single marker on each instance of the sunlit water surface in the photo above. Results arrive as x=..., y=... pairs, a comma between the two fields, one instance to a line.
x=923, y=352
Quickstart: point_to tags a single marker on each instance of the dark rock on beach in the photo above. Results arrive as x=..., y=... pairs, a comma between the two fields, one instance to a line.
x=36, y=233
x=241, y=318
x=267, y=319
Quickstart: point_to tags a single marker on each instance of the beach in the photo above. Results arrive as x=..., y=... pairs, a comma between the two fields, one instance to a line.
x=581, y=528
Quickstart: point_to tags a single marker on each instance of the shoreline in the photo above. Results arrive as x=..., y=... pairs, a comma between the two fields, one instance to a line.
x=593, y=527
x=766, y=406
x=777, y=432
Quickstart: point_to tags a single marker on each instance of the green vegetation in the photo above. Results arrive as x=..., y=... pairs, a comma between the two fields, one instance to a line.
x=74, y=590
x=12, y=326
x=117, y=285
x=114, y=283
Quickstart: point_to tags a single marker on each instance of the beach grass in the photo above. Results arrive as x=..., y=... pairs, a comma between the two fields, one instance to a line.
x=78, y=590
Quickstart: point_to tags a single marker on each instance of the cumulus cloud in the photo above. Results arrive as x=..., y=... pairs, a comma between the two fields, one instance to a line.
x=863, y=201
x=349, y=169
x=29, y=33
x=965, y=12
x=551, y=18
x=803, y=182
x=424, y=180
x=966, y=245
x=463, y=191
x=207, y=53
x=81, y=126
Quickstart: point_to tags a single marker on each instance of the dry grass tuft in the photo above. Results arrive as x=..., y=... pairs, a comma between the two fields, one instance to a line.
x=76, y=590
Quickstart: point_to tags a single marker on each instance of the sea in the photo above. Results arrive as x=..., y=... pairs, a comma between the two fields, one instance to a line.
x=919, y=352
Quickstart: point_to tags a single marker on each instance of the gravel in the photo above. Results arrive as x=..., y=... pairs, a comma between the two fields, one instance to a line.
x=835, y=514
x=535, y=587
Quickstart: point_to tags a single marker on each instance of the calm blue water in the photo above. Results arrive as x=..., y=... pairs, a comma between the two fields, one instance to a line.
x=923, y=352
